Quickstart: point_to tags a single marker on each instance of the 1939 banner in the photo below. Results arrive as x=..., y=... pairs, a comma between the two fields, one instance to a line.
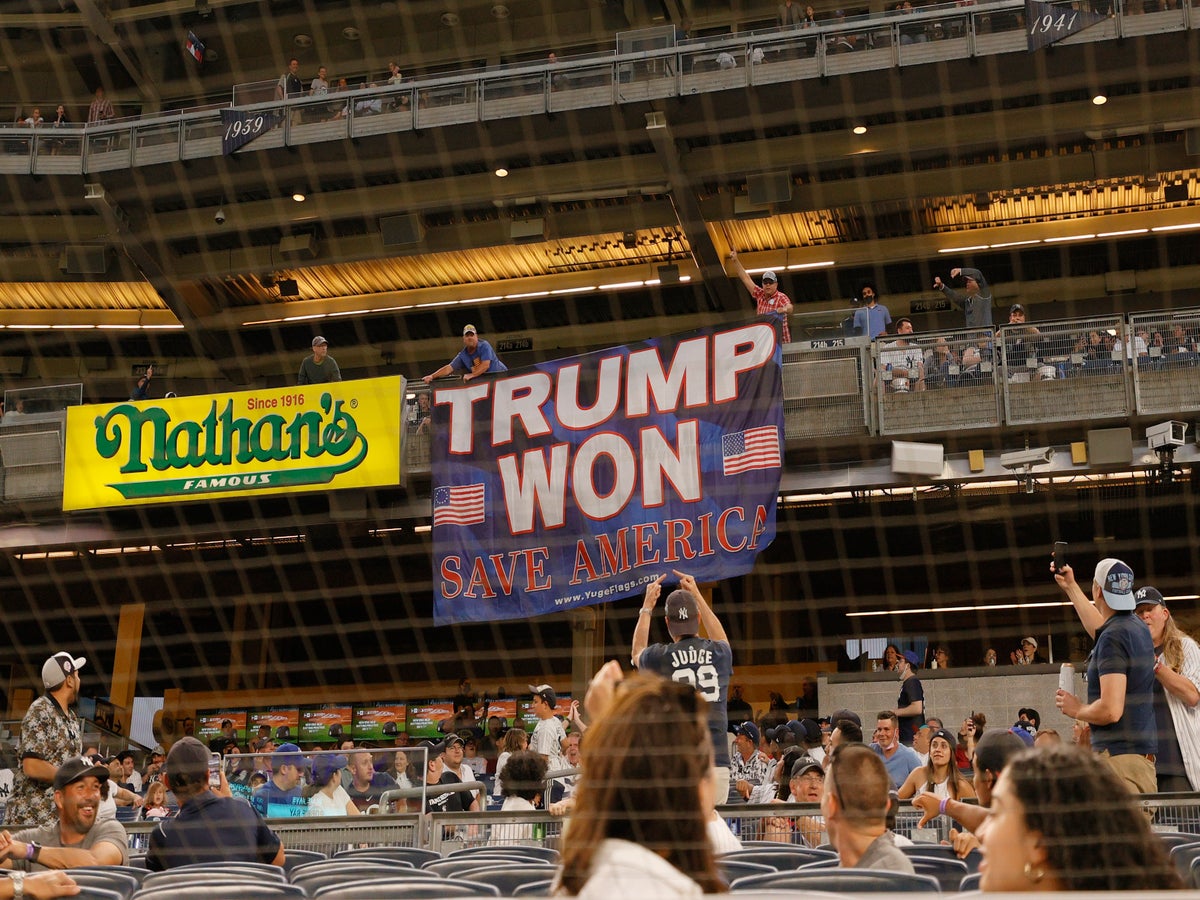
x=578, y=481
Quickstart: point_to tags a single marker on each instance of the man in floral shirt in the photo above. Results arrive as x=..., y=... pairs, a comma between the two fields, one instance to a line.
x=49, y=736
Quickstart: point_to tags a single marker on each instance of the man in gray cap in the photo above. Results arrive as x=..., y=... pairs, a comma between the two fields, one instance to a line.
x=320, y=368
x=768, y=299
x=49, y=737
x=211, y=825
x=76, y=839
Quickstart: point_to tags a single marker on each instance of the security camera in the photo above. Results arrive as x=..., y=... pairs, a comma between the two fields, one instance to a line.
x=1021, y=459
x=219, y=218
x=1166, y=434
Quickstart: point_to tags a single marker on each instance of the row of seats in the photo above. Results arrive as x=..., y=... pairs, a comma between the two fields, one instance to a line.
x=371, y=873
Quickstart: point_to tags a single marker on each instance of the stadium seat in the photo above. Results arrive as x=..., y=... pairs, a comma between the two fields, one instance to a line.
x=293, y=858
x=948, y=872
x=840, y=881
x=226, y=889
x=508, y=878
x=733, y=869
x=88, y=892
x=120, y=883
x=316, y=880
x=943, y=851
x=781, y=858
x=242, y=869
x=1194, y=879
x=1175, y=838
x=507, y=854
x=407, y=890
x=546, y=853
x=414, y=855
x=392, y=864
x=970, y=883
x=452, y=868
x=534, y=889
x=137, y=874
x=1183, y=855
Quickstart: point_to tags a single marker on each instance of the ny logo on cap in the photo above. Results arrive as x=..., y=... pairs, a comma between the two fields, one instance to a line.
x=683, y=613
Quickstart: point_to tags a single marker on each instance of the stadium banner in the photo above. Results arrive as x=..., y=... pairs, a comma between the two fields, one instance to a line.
x=1050, y=23
x=242, y=127
x=250, y=443
x=577, y=481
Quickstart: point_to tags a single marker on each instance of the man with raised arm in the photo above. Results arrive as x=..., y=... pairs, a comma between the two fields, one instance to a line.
x=704, y=663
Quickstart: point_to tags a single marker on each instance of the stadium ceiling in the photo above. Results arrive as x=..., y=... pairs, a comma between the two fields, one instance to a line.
x=988, y=152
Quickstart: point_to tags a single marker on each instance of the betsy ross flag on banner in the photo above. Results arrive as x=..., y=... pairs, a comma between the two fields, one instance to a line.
x=195, y=47
x=458, y=505
x=757, y=448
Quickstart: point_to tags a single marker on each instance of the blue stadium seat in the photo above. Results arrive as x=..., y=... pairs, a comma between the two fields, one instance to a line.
x=547, y=853
x=1183, y=855
x=508, y=878
x=315, y=880
x=841, y=881
x=118, y=882
x=781, y=857
x=534, y=889
x=88, y=892
x=1194, y=878
x=407, y=890
x=948, y=872
x=414, y=855
x=139, y=874
x=970, y=883
x=733, y=869
x=293, y=858
x=226, y=889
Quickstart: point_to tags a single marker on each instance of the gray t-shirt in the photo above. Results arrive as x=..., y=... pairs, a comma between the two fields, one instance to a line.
x=883, y=854
x=325, y=372
x=109, y=830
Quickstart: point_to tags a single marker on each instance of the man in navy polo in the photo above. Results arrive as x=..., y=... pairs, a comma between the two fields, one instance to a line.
x=211, y=825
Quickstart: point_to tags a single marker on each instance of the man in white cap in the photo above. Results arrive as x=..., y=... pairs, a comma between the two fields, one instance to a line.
x=474, y=359
x=320, y=368
x=1120, y=675
x=769, y=300
x=49, y=737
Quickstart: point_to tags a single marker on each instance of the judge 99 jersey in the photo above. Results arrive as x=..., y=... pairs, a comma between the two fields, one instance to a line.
x=707, y=666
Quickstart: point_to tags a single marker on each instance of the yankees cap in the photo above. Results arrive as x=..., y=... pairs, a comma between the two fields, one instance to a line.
x=683, y=614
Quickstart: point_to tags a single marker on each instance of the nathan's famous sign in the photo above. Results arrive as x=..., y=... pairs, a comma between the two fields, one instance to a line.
x=577, y=481
x=282, y=440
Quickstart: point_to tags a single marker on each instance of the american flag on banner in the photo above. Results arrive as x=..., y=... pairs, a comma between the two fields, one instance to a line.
x=195, y=47
x=458, y=505
x=757, y=448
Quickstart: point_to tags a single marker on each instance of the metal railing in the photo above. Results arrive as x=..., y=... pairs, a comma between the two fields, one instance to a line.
x=934, y=34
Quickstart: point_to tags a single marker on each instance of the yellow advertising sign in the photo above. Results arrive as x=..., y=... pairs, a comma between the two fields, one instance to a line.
x=276, y=441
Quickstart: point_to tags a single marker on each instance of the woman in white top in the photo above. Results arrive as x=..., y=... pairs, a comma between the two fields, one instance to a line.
x=331, y=798
x=940, y=777
x=515, y=740
x=639, y=824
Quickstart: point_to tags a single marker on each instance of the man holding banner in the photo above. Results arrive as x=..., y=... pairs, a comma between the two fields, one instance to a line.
x=704, y=663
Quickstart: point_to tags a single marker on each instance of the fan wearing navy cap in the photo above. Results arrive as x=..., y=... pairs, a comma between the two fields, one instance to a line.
x=704, y=663
x=281, y=797
x=1176, y=694
x=474, y=359
x=1120, y=674
x=77, y=838
x=211, y=825
x=49, y=737
x=769, y=300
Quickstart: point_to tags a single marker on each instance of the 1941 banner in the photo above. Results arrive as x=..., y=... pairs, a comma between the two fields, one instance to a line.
x=578, y=481
x=273, y=441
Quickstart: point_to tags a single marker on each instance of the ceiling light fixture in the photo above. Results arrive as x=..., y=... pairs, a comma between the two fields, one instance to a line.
x=860, y=129
x=298, y=195
x=350, y=33
x=303, y=41
x=1099, y=100
x=501, y=172
x=450, y=20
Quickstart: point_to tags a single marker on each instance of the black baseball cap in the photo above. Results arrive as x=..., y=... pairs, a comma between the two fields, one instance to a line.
x=1148, y=596
x=546, y=693
x=683, y=614
x=76, y=768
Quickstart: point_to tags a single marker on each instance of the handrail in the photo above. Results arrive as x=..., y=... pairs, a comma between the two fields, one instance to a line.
x=671, y=77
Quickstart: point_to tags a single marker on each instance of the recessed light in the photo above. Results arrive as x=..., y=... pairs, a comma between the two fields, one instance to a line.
x=302, y=40
x=450, y=20
x=350, y=33
x=860, y=129
x=299, y=196
x=1099, y=100
x=501, y=172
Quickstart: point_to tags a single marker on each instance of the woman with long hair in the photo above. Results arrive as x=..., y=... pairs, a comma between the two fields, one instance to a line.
x=639, y=825
x=515, y=740
x=940, y=776
x=1176, y=694
x=1060, y=820
x=969, y=734
x=328, y=797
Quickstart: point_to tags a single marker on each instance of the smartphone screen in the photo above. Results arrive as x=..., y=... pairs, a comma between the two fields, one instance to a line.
x=1060, y=555
x=214, y=770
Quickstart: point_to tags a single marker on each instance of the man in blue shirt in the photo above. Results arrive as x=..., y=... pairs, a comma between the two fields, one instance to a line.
x=898, y=759
x=476, y=358
x=1120, y=675
x=873, y=319
x=281, y=797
